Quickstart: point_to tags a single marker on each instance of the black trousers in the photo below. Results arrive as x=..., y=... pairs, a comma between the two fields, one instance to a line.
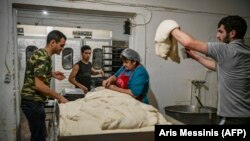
x=232, y=120
x=35, y=114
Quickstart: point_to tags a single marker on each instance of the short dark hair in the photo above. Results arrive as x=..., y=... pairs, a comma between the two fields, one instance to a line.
x=236, y=23
x=85, y=47
x=55, y=35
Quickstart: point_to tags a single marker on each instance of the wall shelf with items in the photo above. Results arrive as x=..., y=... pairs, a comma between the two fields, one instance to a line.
x=111, y=59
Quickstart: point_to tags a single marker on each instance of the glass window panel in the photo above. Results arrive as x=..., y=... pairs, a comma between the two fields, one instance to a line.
x=97, y=58
x=67, y=58
x=29, y=51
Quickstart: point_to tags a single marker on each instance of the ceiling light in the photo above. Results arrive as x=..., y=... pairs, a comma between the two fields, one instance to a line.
x=45, y=12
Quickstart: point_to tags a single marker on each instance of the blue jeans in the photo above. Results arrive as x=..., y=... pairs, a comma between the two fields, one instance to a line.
x=35, y=114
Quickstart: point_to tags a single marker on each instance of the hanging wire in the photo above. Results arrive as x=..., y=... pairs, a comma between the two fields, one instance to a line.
x=144, y=19
x=8, y=40
x=155, y=8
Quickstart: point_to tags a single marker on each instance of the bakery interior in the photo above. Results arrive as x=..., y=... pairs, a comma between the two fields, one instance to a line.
x=177, y=90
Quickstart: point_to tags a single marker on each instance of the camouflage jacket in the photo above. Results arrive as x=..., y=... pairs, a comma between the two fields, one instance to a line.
x=38, y=65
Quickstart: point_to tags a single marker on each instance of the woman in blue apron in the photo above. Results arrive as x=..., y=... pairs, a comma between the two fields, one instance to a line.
x=132, y=78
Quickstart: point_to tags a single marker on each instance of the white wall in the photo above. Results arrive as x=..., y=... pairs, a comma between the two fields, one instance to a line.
x=172, y=84
x=8, y=124
x=169, y=81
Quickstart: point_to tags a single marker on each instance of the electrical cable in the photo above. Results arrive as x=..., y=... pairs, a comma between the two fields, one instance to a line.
x=145, y=23
x=155, y=8
x=145, y=40
x=8, y=41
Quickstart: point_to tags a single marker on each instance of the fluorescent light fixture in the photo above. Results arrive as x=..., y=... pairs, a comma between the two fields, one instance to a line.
x=45, y=12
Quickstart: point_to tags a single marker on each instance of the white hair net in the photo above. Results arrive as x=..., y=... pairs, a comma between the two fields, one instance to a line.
x=131, y=54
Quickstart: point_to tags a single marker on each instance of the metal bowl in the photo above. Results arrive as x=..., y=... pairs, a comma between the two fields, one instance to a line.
x=191, y=114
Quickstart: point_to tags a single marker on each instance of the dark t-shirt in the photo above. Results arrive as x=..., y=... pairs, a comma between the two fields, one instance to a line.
x=83, y=75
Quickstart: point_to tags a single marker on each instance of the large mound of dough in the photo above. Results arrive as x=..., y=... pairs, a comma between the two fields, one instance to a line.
x=103, y=110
